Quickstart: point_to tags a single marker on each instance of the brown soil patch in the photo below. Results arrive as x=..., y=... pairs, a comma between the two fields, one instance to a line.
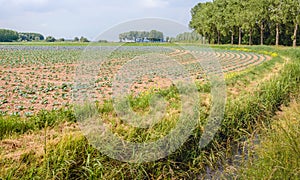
x=26, y=90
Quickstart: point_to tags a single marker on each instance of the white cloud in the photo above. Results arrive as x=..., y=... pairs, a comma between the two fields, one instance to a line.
x=69, y=18
x=154, y=3
x=28, y=2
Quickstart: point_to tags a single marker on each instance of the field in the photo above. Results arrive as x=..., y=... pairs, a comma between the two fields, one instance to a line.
x=39, y=130
x=40, y=77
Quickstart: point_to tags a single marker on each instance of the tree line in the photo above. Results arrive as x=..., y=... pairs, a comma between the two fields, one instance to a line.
x=11, y=36
x=189, y=37
x=76, y=39
x=142, y=36
x=30, y=37
x=248, y=21
x=7, y=35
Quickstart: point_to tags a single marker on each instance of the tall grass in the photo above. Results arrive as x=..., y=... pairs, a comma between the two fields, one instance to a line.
x=278, y=154
x=13, y=125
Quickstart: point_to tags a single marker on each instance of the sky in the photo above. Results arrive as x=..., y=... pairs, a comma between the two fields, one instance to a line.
x=88, y=18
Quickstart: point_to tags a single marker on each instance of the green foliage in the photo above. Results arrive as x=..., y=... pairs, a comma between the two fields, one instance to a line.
x=156, y=36
x=103, y=41
x=10, y=125
x=83, y=39
x=141, y=36
x=188, y=37
x=31, y=37
x=133, y=36
x=8, y=35
x=201, y=21
x=278, y=155
x=50, y=39
x=258, y=21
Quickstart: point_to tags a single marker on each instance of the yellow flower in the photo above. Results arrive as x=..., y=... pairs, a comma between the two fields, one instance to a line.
x=274, y=54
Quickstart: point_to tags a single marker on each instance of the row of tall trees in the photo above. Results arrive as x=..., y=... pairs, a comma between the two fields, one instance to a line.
x=186, y=37
x=141, y=36
x=8, y=35
x=248, y=21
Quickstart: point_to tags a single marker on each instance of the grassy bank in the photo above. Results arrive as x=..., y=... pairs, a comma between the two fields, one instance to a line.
x=278, y=153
